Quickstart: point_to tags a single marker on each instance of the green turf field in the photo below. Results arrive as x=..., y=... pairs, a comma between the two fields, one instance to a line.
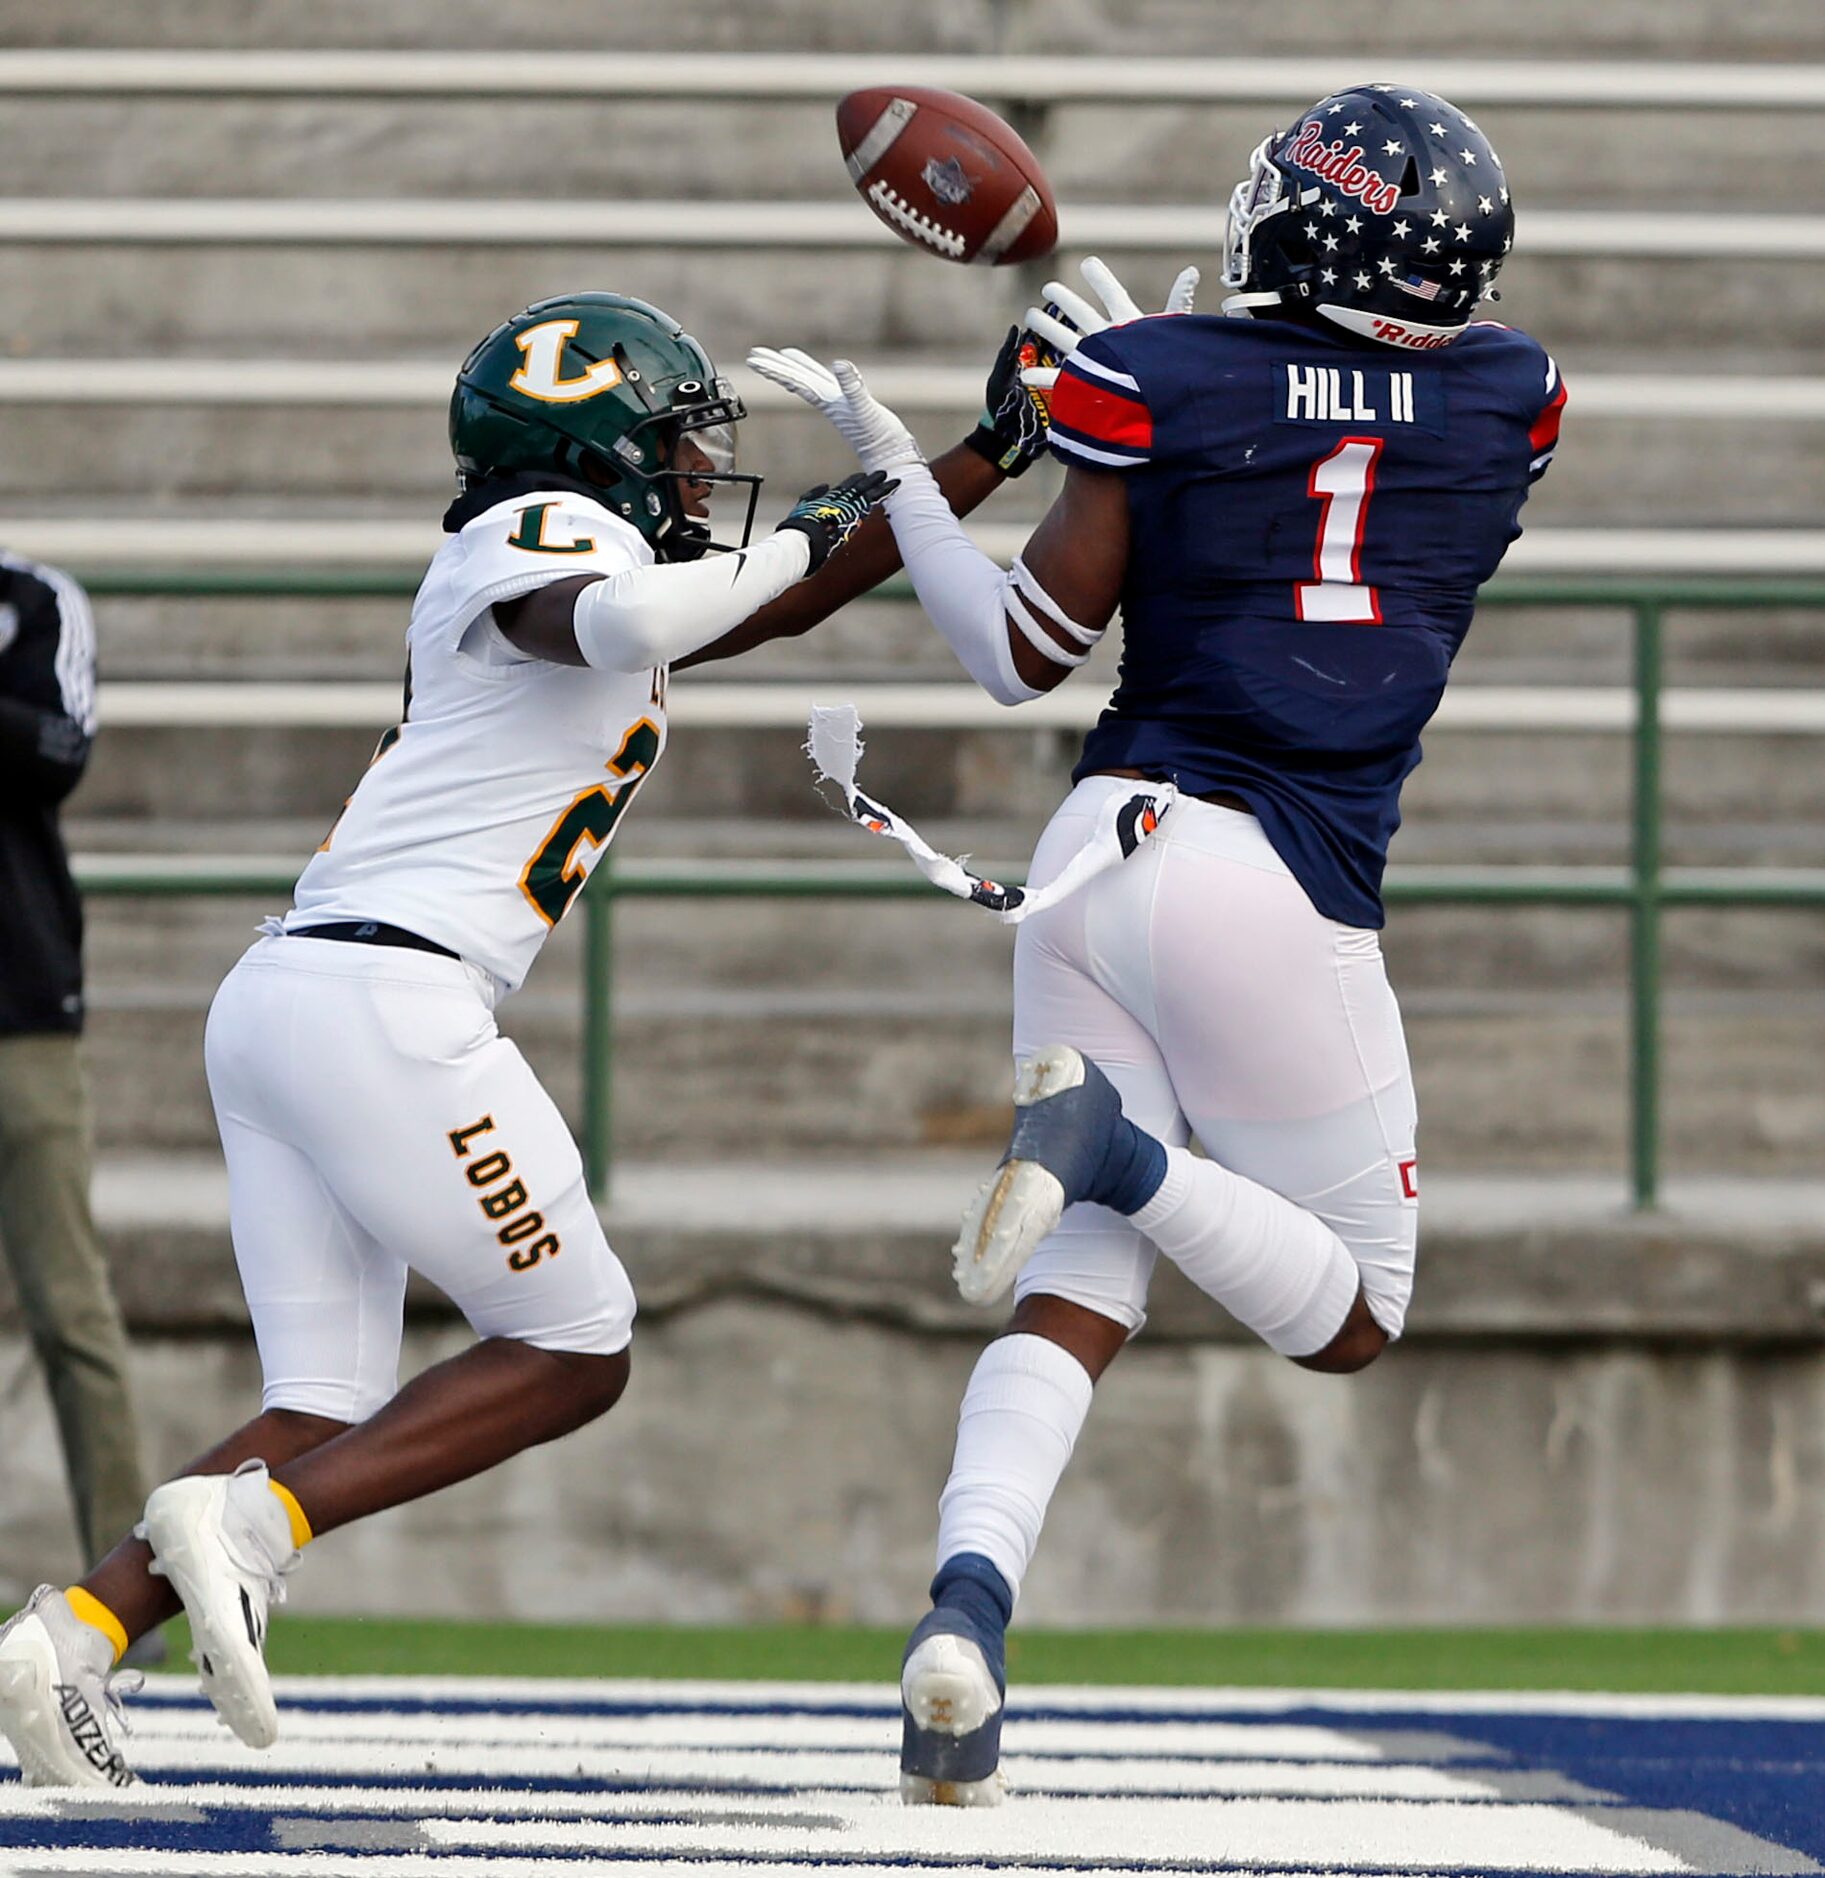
x=1699, y=1662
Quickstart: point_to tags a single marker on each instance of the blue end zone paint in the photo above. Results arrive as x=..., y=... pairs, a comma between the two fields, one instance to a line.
x=1767, y=1777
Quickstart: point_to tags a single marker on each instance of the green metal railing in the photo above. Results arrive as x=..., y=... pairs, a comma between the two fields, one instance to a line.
x=1646, y=888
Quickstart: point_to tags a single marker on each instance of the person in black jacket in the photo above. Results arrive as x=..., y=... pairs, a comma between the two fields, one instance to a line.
x=47, y=718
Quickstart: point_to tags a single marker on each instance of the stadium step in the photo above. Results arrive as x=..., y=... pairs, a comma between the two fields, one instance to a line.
x=1503, y=1254
x=332, y=302
x=1500, y=779
x=225, y=638
x=1653, y=29
x=865, y=1024
x=1633, y=469
x=553, y=149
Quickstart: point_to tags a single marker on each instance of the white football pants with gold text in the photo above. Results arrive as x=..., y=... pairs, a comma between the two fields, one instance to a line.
x=375, y=1120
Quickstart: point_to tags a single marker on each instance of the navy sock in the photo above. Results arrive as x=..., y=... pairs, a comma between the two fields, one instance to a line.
x=967, y=1582
x=1131, y=1170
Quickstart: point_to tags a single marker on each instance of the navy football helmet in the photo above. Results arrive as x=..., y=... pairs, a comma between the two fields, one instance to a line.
x=1383, y=210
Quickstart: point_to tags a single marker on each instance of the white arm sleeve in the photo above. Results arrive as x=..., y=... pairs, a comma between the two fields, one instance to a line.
x=969, y=599
x=650, y=616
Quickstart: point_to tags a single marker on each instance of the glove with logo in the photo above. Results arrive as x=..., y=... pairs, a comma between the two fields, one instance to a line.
x=1068, y=317
x=827, y=517
x=1012, y=431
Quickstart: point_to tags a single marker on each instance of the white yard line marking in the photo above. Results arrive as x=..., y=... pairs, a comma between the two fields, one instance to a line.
x=1104, y=1700
x=1245, y=1833
x=730, y=1771
x=1255, y=1779
x=1259, y=1741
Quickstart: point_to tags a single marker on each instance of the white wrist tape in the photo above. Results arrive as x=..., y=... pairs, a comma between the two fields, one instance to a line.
x=650, y=616
x=968, y=598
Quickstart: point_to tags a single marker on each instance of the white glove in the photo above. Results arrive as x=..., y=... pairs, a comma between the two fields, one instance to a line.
x=872, y=431
x=1080, y=319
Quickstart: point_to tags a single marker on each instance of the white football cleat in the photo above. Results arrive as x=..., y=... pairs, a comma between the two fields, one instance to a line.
x=60, y=1697
x=1024, y=1200
x=222, y=1559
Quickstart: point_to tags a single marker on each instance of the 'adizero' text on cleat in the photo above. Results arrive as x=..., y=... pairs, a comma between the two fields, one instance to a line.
x=60, y=1697
x=225, y=1569
x=1065, y=1111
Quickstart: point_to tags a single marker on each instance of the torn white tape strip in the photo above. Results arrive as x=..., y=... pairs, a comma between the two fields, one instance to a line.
x=835, y=748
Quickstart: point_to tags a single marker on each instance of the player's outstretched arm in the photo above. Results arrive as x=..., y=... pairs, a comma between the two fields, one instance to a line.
x=1013, y=634
x=868, y=557
x=645, y=617
x=1008, y=439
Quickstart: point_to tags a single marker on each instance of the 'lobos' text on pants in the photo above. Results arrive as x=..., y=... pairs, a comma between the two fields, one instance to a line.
x=502, y=1196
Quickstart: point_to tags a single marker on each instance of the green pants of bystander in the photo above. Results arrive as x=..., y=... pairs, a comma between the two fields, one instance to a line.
x=65, y=1294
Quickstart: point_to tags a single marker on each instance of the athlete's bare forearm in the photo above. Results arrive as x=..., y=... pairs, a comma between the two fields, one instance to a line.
x=870, y=556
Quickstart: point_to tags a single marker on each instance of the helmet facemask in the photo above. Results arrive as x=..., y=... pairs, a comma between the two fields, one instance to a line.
x=644, y=457
x=1260, y=195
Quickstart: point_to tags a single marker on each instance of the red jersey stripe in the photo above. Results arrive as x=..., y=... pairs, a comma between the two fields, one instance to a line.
x=1545, y=432
x=1101, y=413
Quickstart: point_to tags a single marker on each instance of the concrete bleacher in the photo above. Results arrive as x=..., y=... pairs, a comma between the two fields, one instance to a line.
x=247, y=270
x=237, y=286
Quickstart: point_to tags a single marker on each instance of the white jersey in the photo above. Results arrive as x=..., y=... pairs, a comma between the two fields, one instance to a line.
x=481, y=817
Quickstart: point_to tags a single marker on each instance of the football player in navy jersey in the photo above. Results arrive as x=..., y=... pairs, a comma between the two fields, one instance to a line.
x=1293, y=508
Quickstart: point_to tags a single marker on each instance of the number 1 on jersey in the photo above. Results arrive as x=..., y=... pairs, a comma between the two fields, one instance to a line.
x=1343, y=482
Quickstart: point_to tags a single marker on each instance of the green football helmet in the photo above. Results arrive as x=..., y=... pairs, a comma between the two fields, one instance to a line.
x=600, y=387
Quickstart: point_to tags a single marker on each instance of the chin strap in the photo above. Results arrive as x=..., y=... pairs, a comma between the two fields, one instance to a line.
x=1241, y=306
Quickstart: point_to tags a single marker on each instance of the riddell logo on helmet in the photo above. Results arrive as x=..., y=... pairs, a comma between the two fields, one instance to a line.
x=1396, y=334
x=1344, y=168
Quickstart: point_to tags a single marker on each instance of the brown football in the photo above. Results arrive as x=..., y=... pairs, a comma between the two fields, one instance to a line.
x=946, y=174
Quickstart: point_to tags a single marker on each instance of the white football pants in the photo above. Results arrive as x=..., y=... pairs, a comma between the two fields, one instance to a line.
x=375, y=1120
x=1224, y=1006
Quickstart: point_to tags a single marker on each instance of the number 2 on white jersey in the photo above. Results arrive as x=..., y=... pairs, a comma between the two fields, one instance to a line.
x=1343, y=481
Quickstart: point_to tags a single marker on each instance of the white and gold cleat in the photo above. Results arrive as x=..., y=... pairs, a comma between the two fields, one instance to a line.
x=216, y=1538
x=60, y=1697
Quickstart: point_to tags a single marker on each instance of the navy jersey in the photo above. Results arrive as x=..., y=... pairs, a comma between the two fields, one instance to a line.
x=1310, y=519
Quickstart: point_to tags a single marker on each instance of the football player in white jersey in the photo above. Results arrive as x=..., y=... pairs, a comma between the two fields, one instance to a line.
x=373, y=1118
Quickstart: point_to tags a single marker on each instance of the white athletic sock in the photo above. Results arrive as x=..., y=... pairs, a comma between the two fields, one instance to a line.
x=1272, y=1265
x=1026, y=1401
